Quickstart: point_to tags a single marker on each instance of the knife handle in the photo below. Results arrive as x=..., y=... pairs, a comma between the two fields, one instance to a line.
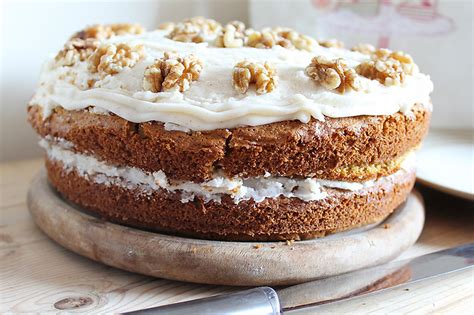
x=261, y=301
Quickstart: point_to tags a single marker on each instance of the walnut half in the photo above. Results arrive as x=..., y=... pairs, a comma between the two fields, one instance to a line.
x=76, y=50
x=387, y=67
x=101, y=32
x=366, y=49
x=333, y=74
x=193, y=29
x=331, y=43
x=232, y=35
x=263, y=75
x=172, y=72
x=113, y=58
x=279, y=36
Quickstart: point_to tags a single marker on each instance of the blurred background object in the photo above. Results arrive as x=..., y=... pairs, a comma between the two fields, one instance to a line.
x=437, y=33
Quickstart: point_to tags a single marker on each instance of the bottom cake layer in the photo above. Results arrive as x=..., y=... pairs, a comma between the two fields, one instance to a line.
x=279, y=218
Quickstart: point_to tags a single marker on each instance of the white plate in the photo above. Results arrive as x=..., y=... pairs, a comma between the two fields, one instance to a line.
x=446, y=162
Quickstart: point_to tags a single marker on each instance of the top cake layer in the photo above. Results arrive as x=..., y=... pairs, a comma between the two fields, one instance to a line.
x=200, y=75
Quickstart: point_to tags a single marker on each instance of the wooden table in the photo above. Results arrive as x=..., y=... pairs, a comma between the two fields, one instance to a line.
x=36, y=275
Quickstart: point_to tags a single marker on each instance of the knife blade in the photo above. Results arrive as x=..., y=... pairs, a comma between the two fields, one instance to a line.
x=373, y=279
x=265, y=300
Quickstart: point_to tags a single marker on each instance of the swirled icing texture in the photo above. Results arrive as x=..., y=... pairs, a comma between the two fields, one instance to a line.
x=212, y=102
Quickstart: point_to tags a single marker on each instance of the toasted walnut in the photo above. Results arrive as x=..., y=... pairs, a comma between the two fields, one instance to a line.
x=172, y=72
x=107, y=31
x=333, y=74
x=388, y=67
x=331, y=43
x=408, y=65
x=167, y=26
x=113, y=58
x=264, y=39
x=387, y=72
x=263, y=75
x=76, y=50
x=267, y=38
x=366, y=49
x=381, y=54
x=299, y=41
x=232, y=36
x=207, y=26
x=186, y=32
x=285, y=37
x=194, y=30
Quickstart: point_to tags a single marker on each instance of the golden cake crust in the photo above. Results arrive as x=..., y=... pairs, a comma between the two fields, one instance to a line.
x=349, y=149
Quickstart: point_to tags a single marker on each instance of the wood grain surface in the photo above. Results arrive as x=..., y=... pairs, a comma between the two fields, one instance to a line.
x=37, y=275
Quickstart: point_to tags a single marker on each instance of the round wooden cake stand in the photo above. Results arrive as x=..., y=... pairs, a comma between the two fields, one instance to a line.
x=216, y=262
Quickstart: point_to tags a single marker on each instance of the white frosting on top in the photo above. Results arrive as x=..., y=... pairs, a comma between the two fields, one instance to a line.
x=257, y=188
x=212, y=102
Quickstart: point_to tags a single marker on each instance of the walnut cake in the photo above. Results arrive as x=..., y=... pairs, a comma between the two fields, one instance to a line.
x=225, y=132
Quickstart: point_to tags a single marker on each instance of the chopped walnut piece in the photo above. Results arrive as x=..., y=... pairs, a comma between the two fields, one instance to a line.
x=76, y=50
x=232, y=35
x=194, y=30
x=366, y=49
x=101, y=32
x=331, y=43
x=263, y=75
x=113, y=58
x=171, y=72
x=333, y=74
x=388, y=67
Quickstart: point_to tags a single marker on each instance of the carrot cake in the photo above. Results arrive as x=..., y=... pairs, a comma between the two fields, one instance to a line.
x=228, y=133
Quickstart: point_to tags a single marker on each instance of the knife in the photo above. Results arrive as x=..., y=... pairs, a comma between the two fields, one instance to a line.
x=265, y=300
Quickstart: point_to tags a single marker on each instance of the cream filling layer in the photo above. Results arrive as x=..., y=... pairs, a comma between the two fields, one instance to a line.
x=212, y=102
x=257, y=188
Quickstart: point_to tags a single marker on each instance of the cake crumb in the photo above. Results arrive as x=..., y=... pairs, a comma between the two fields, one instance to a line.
x=386, y=226
x=257, y=246
x=289, y=242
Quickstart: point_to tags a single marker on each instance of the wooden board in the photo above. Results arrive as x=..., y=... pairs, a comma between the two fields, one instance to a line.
x=214, y=262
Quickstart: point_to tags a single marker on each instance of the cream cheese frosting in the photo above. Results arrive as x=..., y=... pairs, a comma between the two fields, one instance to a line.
x=256, y=188
x=211, y=102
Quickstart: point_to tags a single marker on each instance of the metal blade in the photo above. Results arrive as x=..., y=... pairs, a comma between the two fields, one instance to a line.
x=377, y=278
x=302, y=297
